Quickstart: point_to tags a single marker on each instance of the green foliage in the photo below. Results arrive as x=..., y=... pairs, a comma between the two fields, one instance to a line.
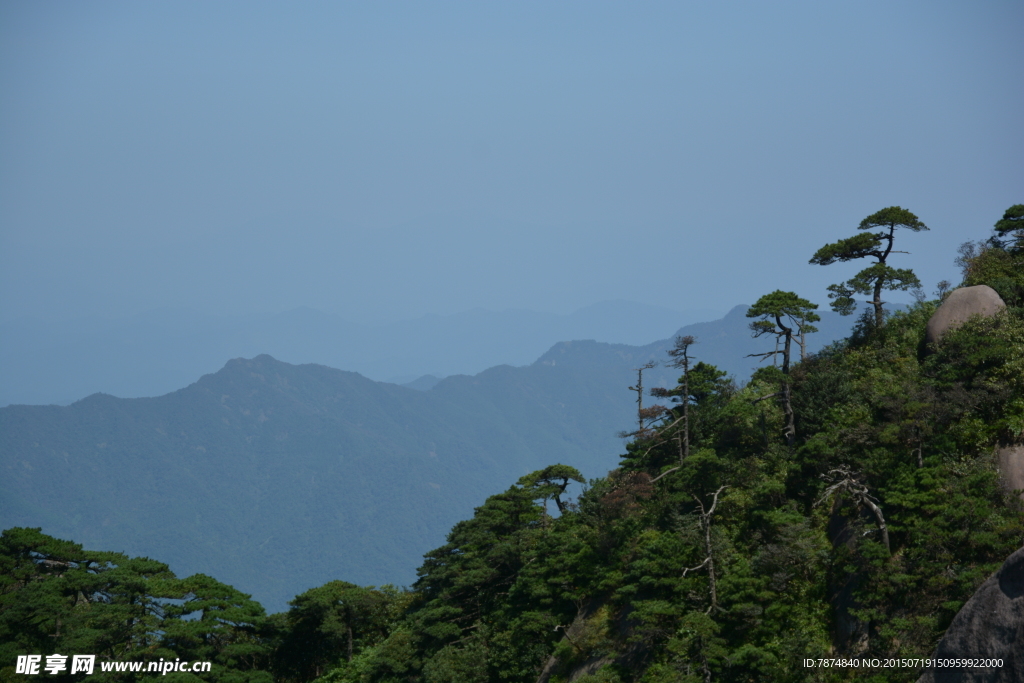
x=999, y=263
x=1002, y=271
x=892, y=217
x=57, y=597
x=878, y=245
x=1011, y=226
x=214, y=622
x=773, y=308
x=858, y=246
x=331, y=624
x=551, y=482
x=795, y=573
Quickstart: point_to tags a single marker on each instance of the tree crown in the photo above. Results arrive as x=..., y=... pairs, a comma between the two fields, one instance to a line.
x=858, y=246
x=778, y=305
x=1012, y=224
x=878, y=276
x=893, y=217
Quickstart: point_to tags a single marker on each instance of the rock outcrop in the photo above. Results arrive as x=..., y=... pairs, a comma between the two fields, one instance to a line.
x=989, y=626
x=1010, y=460
x=590, y=636
x=581, y=630
x=960, y=305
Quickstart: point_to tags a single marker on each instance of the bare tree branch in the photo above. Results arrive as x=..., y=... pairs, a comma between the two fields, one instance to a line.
x=846, y=481
x=709, y=561
x=664, y=473
x=699, y=566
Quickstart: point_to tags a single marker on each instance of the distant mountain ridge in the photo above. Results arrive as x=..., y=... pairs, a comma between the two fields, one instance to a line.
x=153, y=353
x=276, y=477
x=726, y=343
x=424, y=383
x=279, y=477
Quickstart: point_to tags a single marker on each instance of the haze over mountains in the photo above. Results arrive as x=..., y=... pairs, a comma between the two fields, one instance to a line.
x=277, y=477
x=159, y=351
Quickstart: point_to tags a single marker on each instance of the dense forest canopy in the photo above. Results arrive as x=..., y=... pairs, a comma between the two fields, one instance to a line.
x=841, y=504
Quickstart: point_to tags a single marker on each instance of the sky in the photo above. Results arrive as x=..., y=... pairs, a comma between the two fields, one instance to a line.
x=394, y=159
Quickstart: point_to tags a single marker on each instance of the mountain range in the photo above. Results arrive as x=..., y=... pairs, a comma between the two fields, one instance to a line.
x=277, y=477
x=158, y=351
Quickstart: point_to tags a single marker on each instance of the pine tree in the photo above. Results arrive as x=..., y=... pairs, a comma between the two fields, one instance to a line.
x=879, y=276
x=775, y=310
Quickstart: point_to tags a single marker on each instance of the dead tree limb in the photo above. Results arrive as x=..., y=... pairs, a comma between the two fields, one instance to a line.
x=664, y=473
x=680, y=354
x=709, y=561
x=844, y=481
x=642, y=432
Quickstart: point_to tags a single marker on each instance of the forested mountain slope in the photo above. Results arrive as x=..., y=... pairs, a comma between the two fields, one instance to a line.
x=276, y=477
x=838, y=511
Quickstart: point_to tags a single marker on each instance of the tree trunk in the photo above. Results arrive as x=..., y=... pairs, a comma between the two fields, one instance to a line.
x=877, y=303
x=686, y=409
x=709, y=561
x=787, y=404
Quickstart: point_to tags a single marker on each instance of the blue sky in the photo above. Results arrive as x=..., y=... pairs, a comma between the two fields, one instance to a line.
x=397, y=159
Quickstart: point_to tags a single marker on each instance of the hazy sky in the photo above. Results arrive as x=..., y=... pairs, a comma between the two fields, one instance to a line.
x=397, y=159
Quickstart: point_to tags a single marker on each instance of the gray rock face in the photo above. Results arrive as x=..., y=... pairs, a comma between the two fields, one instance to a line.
x=960, y=305
x=989, y=626
x=1011, y=467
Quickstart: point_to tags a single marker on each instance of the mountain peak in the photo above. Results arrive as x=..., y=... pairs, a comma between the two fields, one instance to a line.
x=737, y=312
